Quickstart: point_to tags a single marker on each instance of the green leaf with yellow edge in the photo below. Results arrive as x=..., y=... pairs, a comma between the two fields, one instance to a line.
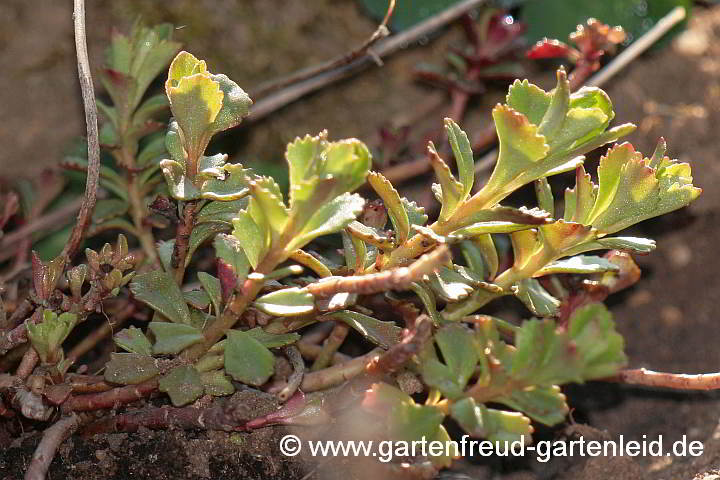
x=463, y=155
x=184, y=65
x=195, y=102
x=269, y=198
x=584, y=195
x=416, y=214
x=303, y=156
x=181, y=186
x=370, y=235
x=636, y=191
x=133, y=340
x=521, y=146
x=494, y=425
x=287, y=302
x=330, y=217
x=130, y=368
x=247, y=360
x=393, y=203
x=158, y=290
x=528, y=99
x=172, y=338
x=347, y=161
x=183, y=384
x=449, y=192
x=545, y=198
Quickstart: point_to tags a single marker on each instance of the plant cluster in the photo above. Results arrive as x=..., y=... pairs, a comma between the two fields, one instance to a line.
x=413, y=289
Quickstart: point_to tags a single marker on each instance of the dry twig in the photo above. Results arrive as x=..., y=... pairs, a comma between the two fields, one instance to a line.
x=88, y=94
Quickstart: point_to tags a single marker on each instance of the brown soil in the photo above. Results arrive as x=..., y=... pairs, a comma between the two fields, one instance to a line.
x=668, y=319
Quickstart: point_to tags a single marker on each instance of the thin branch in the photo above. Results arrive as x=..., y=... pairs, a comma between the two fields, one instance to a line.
x=338, y=374
x=212, y=418
x=52, y=438
x=400, y=353
x=336, y=338
x=267, y=105
x=27, y=364
x=296, y=378
x=679, y=381
x=182, y=240
x=380, y=32
x=395, y=279
x=111, y=398
x=88, y=94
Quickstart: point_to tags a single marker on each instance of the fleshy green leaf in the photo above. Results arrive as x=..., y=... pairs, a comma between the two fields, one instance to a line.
x=222, y=212
x=171, y=338
x=47, y=336
x=460, y=357
x=494, y=425
x=229, y=250
x=252, y=230
x=230, y=186
x=108, y=208
x=599, y=346
x=213, y=289
x=247, y=360
x=130, y=368
x=159, y=291
x=183, y=384
x=546, y=405
x=384, y=334
x=582, y=264
x=181, y=187
x=216, y=383
x=133, y=340
x=286, y=302
x=272, y=340
x=536, y=298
